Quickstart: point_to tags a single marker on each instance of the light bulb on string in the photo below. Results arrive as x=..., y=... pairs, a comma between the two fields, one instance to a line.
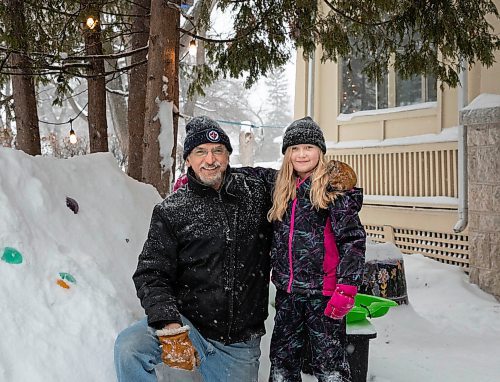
x=72, y=136
x=193, y=48
x=91, y=22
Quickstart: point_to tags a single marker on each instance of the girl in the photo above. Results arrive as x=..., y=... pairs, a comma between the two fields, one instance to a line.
x=317, y=259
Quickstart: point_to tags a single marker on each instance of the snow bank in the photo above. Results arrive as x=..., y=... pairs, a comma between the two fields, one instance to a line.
x=55, y=334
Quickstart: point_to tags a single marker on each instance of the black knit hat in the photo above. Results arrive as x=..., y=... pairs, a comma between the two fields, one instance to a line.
x=202, y=130
x=303, y=131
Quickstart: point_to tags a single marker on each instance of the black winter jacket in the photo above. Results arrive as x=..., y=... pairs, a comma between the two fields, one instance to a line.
x=207, y=257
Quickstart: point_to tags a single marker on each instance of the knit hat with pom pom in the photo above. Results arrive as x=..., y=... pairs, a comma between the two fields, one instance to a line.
x=303, y=131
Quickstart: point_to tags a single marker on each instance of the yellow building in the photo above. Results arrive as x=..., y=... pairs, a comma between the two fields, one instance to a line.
x=402, y=138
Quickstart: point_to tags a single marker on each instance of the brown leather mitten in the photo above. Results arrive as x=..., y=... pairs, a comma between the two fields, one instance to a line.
x=342, y=176
x=178, y=351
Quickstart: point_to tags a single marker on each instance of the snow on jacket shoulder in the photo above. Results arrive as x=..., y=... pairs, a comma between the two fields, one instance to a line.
x=267, y=175
x=207, y=257
x=314, y=250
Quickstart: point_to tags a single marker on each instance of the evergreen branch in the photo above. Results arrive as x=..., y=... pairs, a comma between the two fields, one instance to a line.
x=208, y=39
x=58, y=11
x=113, y=56
x=355, y=20
x=116, y=91
x=238, y=37
x=67, y=122
x=56, y=70
x=124, y=14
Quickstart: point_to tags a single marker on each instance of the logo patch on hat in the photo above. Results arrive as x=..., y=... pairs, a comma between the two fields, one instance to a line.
x=213, y=136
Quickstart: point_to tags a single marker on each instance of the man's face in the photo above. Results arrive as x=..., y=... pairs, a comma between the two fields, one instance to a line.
x=209, y=162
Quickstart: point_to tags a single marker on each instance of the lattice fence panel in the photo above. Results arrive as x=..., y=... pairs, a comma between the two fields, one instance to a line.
x=445, y=247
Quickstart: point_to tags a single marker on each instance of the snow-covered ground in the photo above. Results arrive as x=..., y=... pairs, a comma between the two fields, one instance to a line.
x=450, y=331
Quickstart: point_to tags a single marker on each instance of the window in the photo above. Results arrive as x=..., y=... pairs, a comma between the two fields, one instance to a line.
x=357, y=93
x=416, y=89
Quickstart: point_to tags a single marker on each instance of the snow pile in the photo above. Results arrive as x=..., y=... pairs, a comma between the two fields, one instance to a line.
x=381, y=251
x=449, y=332
x=50, y=333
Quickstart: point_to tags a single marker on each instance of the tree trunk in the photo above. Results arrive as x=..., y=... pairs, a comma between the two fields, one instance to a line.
x=117, y=103
x=23, y=86
x=137, y=89
x=8, y=134
x=98, y=126
x=163, y=62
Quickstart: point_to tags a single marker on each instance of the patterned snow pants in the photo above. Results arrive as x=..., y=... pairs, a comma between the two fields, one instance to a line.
x=300, y=326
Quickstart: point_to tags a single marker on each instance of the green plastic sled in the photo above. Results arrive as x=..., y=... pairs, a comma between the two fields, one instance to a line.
x=367, y=306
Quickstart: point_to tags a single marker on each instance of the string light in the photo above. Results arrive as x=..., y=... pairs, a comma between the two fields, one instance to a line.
x=72, y=136
x=91, y=22
x=350, y=93
x=193, y=47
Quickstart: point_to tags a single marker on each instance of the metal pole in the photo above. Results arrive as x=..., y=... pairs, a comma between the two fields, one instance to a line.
x=310, y=86
x=463, y=206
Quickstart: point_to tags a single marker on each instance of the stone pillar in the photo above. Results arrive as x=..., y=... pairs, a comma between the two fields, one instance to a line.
x=483, y=164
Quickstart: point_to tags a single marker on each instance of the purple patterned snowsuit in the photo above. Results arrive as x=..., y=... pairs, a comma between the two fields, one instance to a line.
x=313, y=251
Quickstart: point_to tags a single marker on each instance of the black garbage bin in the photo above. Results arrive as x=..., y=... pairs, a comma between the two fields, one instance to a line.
x=359, y=335
x=357, y=354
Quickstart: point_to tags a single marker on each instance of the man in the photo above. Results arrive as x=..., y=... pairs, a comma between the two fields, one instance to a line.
x=203, y=274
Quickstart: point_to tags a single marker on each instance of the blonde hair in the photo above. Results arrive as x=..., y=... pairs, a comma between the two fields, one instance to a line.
x=285, y=187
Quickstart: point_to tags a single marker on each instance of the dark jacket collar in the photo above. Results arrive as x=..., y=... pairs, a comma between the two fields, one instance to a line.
x=204, y=190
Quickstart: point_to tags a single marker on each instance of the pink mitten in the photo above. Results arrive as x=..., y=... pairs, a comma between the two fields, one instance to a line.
x=341, y=302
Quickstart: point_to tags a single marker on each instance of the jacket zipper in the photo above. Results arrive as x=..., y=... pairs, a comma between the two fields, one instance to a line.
x=290, y=241
x=290, y=234
x=229, y=284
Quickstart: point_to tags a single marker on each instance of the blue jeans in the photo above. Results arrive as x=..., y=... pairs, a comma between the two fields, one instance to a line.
x=137, y=352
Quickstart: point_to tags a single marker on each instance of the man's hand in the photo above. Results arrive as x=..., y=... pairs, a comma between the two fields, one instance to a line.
x=342, y=176
x=178, y=351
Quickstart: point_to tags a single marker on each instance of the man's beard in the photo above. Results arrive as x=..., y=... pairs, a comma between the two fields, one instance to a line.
x=214, y=180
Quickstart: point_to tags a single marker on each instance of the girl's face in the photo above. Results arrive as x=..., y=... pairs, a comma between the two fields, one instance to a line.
x=305, y=158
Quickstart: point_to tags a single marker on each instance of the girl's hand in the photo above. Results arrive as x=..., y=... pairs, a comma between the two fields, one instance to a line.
x=341, y=301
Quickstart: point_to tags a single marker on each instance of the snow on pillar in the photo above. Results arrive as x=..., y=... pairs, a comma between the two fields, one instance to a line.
x=247, y=144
